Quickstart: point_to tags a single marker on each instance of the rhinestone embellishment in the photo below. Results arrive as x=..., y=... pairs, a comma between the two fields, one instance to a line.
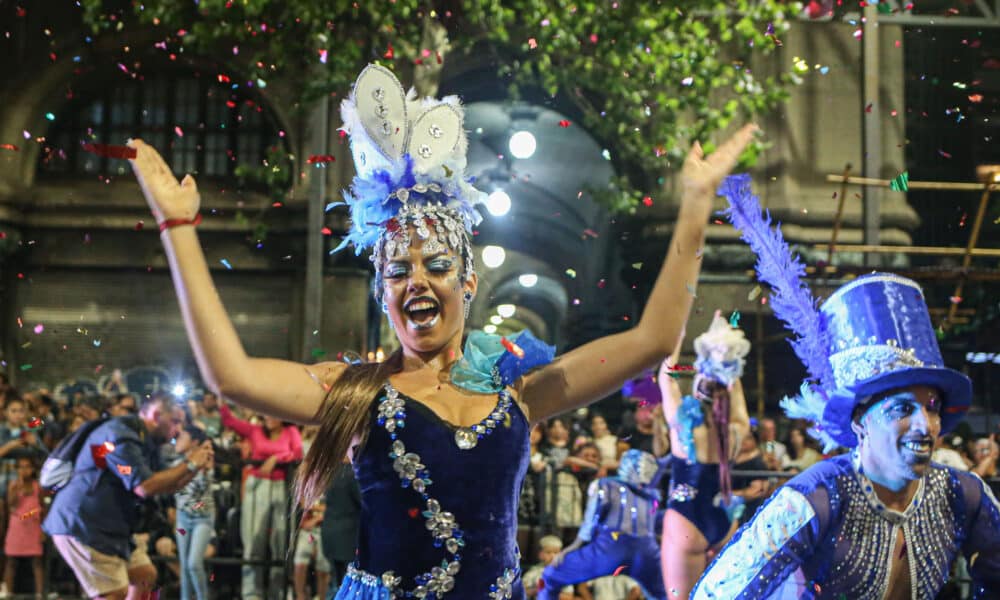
x=435, y=131
x=466, y=438
x=424, y=151
x=378, y=94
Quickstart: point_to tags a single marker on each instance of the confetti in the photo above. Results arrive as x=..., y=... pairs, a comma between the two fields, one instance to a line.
x=97, y=343
x=734, y=319
x=389, y=53
x=225, y=263
x=122, y=152
x=320, y=158
x=413, y=512
x=532, y=43
x=9, y=147
x=564, y=123
x=753, y=293
x=571, y=273
x=512, y=348
x=647, y=201
x=944, y=154
x=690, y=289
x=590, y=232
x=178, y=131
x=25, y=367
x=637, y=266
x=955, y=299
x=901, y=183
x=182, y=531
x=35, y=423
x=39, y=328
x=619, y=570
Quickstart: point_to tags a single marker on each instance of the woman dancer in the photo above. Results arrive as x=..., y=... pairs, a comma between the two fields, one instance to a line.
x=437, y=434
x=706, y=429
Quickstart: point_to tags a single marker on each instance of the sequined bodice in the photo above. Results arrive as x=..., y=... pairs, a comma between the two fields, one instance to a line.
x=862, y=536
x=478, y=486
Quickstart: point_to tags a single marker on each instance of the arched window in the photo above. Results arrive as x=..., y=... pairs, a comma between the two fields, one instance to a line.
x=201, y=124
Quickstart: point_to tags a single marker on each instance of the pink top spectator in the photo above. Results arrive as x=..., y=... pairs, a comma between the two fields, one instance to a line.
x=288, y=446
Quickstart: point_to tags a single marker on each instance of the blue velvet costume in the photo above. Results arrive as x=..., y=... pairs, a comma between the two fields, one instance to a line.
x=694, y=486
x=618, y=527
x=439, y=519
x=825, y=534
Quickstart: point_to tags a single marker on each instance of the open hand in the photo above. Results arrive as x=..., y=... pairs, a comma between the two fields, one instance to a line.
x=167, y=197
x=701, y=175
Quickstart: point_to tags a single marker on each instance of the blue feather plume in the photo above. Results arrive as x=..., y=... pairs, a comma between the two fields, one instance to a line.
x=372, y=207
x=791, y=298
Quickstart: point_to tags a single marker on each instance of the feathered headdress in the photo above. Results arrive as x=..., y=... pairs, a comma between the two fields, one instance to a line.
x=791, y=299
x=873, y=335
x=721, y=351
x=410, y=158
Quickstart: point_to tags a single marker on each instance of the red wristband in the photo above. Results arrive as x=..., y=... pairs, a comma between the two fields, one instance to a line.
x=169, y=223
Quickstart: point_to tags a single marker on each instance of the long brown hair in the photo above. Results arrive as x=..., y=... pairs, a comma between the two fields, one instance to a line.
x=346, y=413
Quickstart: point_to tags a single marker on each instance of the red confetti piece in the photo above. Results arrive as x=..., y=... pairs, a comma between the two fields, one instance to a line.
x=944, y=154
x=389, y=53
x=413, y=512
x=35, y=423
x=590, y=232
x=512, y=347
x=326, y=231
x=647, y=201
x=120, y=152
x=139, y=225
x=619, y=570
x=98, y=452
x=961, y=222
x=975, y=98
x=564, y=123
x=8, y=147
x=182, y=531
x=178, y=131
x=955, y=299
x=868, y=108
x=223, y=78
x=320, y=158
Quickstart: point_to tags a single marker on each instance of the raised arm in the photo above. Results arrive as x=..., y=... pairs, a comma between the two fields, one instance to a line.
x=598, y=368
x=739, y=418
x=228, y=419
x=282, y=389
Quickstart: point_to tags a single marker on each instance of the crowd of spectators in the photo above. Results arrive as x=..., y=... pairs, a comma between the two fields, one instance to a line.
x=233, y=532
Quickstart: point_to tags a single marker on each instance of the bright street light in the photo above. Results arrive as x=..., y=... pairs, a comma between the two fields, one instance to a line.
x=498, y=203
x=522, y=144
x=493, y=256
x=528, y=280
x=506, y=310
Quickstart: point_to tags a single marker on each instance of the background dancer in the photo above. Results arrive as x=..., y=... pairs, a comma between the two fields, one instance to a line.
x=617, y=531
x=438, y=435
x=881, y=521
x=706, y=430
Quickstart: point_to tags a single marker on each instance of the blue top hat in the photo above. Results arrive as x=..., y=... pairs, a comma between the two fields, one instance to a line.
x=881, y=338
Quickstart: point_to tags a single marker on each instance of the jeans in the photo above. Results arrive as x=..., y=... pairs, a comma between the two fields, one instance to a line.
x=264, y=530
x=191, y=547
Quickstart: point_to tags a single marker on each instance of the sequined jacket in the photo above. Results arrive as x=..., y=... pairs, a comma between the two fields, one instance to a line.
x=826, y=534
x=614, y=505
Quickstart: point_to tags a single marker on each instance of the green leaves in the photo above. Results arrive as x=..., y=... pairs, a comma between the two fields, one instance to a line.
x=649, y=77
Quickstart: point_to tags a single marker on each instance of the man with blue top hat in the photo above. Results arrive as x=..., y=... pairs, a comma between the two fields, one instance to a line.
x=882, y=521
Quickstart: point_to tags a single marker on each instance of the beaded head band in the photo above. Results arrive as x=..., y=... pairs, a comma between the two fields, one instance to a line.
x=410, y=158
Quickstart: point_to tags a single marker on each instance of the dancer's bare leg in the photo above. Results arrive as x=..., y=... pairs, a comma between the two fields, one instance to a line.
x=682, y=555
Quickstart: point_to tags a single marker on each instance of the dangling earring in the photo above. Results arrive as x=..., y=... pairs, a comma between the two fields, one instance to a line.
x=468, y=304
x=385, y=310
